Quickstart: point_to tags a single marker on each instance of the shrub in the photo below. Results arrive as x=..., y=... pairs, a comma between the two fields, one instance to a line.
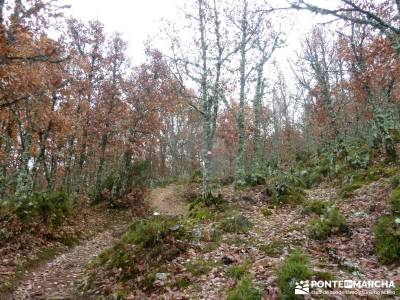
x=359, y=157
x=394, y=202
x=316, y=206
x=50, y=206
x=331, y=221
x=255, y=179
x=266, y=211
x=395, y=181
x=387, y=239
x=286, y=188
x=245, y=290
x=350, y=183
x=295, y=268
x=311, y=178
x=236, y=224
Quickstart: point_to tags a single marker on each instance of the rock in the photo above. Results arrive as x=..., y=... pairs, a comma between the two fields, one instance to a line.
x=161, y=276
x=228, y=259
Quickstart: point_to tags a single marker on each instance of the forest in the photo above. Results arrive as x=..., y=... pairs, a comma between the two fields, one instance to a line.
x=215, y=168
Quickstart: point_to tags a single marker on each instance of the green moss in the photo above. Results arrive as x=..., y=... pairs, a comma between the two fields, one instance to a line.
x=236, y=224
x=245, y=290
x=275, y=248
x=373, y=176
x=387, y=239
x=394, y=202
x=266, y=211
x=332, y=221
x=316, y=206
x=197, y=176
x=200, y=211
x=295, y=268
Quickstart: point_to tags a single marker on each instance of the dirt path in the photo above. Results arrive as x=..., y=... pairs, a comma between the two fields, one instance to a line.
x=56, y=279
x=168, y=200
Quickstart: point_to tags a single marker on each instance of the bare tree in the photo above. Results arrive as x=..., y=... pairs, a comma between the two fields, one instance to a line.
x=203, y=69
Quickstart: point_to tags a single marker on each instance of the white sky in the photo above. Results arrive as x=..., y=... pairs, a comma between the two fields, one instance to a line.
x=138, y=20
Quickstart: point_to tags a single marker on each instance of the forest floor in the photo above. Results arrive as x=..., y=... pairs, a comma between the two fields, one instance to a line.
x=261, y=249
x=169, y=200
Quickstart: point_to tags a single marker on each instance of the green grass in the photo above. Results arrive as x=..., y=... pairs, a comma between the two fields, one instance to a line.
x=245, y=290
x=387, y=239
x=236, y=224
x=200, y=266
x=237, y=272
x=274, y=248
x=295, y=268
x=182, y=283
x=394, y=202
x=395, y=181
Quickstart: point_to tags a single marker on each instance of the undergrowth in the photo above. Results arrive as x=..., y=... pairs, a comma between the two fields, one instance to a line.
x=142, y=252
x=238, y=223
x=295, y=268
x=332, y=221
x=387, y=239
x=245, y=289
